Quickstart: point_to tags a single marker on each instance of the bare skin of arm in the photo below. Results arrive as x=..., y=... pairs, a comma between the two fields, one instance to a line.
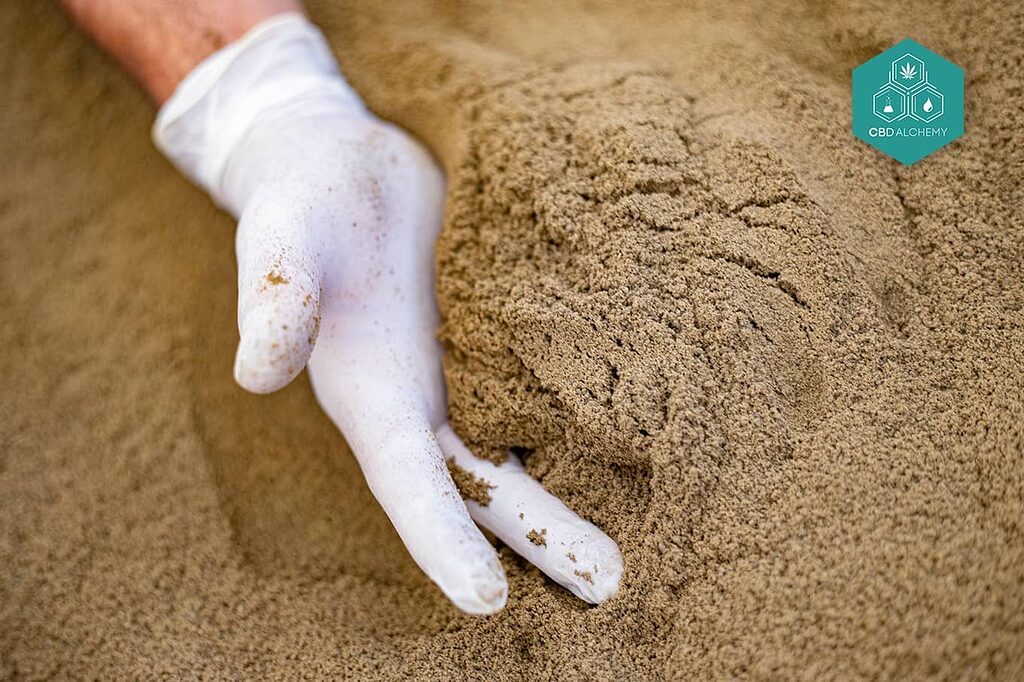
x=160, y=41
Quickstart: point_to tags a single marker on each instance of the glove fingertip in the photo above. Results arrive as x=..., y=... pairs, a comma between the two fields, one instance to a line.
x=481, y=592
x=271, y=353
x=261, y=377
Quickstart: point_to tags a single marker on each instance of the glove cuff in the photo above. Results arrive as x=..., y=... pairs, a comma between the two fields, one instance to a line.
x=279, y=61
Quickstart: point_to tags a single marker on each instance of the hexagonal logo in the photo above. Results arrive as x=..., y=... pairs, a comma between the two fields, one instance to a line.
x=908, y=102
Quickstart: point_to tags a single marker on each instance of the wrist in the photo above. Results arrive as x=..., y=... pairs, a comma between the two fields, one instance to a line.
x=162, y=69
x=159, y=42
x=237, y=104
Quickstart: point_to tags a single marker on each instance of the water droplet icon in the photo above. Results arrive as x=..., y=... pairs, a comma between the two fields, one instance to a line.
x=928, y=106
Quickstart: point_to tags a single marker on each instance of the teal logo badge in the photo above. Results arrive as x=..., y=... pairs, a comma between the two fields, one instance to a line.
x=908, y=102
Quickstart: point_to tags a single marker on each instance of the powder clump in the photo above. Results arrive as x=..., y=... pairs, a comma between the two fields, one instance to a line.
x=470, y=487
x=585, y=575
x=538, y=538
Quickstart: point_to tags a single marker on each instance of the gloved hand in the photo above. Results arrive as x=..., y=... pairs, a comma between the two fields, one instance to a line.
x=338, y=213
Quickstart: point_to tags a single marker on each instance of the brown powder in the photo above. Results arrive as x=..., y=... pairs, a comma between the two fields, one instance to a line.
x=781, y=370
x=471, y=487
x=538, y=537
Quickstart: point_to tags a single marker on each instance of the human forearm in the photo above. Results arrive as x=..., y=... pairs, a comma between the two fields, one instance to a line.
x=160, y=41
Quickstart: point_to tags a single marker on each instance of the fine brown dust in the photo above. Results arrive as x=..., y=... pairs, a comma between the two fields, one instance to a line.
x=782, y=371
x=470, y=486
x=538, y=537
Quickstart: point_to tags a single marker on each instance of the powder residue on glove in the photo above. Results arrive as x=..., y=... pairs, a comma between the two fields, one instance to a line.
x=585, y=575
x=780, y=369
x=470, y=486
x=538, y=537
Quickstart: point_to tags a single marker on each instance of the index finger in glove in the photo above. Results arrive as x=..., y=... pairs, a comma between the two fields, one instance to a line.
x=405, y=470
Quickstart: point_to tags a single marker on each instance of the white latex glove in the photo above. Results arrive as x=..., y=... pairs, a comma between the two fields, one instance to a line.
x=338, y=213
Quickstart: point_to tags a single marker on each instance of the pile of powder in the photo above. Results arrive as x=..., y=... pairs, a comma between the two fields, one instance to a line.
x=782, y=371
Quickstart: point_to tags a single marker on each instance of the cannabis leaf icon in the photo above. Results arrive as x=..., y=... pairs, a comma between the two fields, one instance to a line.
x=908, y=71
